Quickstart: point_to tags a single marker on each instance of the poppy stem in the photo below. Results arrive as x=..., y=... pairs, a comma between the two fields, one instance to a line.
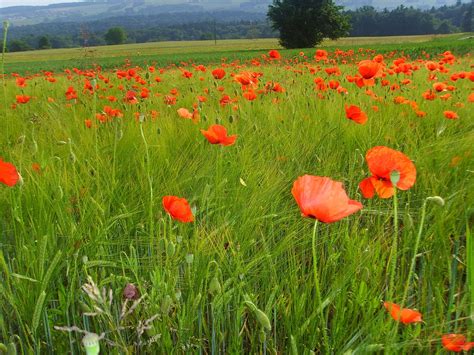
x=4, y=84
x=150, y=182
x=317, y=288
x=394, y=253
x=415, y=252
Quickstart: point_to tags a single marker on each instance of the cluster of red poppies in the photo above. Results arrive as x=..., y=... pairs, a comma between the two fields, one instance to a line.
x=318, y=197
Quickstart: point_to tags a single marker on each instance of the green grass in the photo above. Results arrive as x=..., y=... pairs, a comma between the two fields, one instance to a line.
x=165, y=53
x=94, y=211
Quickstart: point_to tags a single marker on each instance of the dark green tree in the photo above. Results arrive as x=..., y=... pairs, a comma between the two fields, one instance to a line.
x=466, y=24
x=115, y=35
x=44, y=43
x=18, y=45
x=305, y=23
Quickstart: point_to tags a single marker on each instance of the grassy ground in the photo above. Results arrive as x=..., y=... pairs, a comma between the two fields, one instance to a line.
x=240, y=279
x=164, y=53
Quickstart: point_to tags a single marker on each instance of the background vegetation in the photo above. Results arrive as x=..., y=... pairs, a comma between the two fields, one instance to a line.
x=180, y=26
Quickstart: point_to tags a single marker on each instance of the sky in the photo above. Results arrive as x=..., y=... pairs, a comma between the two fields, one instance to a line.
x=5, y=3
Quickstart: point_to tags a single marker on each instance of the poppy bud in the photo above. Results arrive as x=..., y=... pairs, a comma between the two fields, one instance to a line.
x=263, y=319
x=131, y=292
x=189, y=258
x=214, y=286
x=395, y=177
x=197, y=299
x=170, y=249
x=166, y=304
x=436, y=199
x=91, y=344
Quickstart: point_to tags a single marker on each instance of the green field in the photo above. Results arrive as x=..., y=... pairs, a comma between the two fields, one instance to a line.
x=165, y=53
x=98, y=150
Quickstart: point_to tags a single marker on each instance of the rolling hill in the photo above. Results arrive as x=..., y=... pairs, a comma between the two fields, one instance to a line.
x=96, y=10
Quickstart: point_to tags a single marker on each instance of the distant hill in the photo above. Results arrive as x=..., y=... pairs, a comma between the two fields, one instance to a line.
x=96, y=10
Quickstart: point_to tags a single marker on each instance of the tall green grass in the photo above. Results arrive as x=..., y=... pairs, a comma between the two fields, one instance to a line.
x=239, y=279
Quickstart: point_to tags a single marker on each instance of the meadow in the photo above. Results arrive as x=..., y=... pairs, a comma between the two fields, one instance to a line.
x=92, y=248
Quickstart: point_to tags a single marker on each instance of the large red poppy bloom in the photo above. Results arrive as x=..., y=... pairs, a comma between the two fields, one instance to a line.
x=404, y=315
x=218, y=73
x=323, y=199
x=217, y=134
x=355, y=114
x=8, y=174
x=451, y=115
x=383, y=162
x=369, y=68
x=274, y=54
x=178, y=208
x=456, y=343
x=22, y=99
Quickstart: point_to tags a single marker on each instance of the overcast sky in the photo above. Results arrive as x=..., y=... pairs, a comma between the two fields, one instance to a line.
x=5, y=3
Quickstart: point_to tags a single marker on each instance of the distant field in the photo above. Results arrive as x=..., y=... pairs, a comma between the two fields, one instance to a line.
x=208, y=51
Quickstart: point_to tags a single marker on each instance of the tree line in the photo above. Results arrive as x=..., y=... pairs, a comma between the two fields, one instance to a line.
x=365, y=21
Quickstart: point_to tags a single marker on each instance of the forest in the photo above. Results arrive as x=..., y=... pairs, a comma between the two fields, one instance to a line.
x=365, y=21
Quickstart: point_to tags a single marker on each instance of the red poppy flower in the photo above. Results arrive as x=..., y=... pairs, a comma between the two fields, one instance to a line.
x=71, y=94
x=321, y=54
x=21, y=82
x=355, y=114
x=184, y=113
x=178, y=208
x=8, y=174
x=22, y=99
x=36, y=167
x=169, y=100
x=383, y=162
x=439, y=87
x=250, y=95
x=369, y=68
x=217, y=134
x=187, y=74
x=431, y=66
x=429, y=95
x=456, y=343
x=450, y=115
x=274, y=54
x=323, y=199
x=218, y=73
x=404, y=315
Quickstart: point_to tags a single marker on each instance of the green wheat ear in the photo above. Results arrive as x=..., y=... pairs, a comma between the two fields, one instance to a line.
x=91, y=344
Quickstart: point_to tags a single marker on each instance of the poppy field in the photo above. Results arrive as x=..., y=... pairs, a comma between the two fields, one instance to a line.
x=317, y=201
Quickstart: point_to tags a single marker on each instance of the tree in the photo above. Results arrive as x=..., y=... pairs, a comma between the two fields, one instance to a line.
x=305, y=23
x=44, y=43
x=18, y=45
x=466, y=24
x=115, y=35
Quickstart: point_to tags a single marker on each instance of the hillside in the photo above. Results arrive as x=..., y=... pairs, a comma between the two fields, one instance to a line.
x=96, y=10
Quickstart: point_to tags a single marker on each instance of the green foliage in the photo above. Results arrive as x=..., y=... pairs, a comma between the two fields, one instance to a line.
x=304, y=24
x=115, y=35
x=466, y=24
x=44, y=43
x=365, y=21
x=18, y=45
